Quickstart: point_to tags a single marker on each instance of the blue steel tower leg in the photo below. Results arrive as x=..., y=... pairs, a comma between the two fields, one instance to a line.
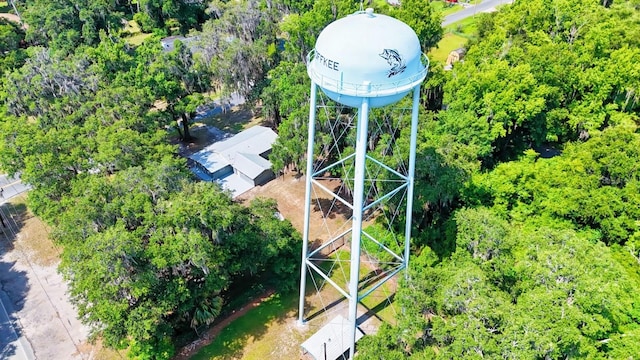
x=307, y=202
x=356, y=232
x=410, y=177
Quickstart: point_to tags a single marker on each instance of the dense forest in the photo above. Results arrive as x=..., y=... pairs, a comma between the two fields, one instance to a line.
x=527, y=202
x=528, y=246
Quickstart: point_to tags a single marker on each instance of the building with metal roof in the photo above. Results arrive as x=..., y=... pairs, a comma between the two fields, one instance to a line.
x=238, y=163
x=168, y=43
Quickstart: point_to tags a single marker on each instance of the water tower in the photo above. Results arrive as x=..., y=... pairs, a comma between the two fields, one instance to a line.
x=363, y=61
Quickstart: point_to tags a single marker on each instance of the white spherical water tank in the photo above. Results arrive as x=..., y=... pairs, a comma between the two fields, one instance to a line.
x=367, y=55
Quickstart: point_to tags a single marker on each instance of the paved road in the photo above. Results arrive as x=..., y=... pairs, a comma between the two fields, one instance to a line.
x=10, y=187
x=484, y=6
x=13, y=344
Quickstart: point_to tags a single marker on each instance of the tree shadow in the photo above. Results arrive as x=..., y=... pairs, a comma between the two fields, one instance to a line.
x=373, y=312
x=367, y=280
x=12, y=220
x=326, y=308
x=441, y=176
x=232, y=118
x=331, y=208
x=12, y=296
x=372, y=278
x=13, y=283
x=9, y=350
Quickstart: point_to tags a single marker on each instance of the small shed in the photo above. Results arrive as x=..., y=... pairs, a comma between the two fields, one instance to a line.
x=454, y=56
x=331, y=341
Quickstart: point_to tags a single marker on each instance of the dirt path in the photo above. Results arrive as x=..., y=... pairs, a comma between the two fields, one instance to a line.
x=188, y=351
x=10, y=17
x=13, y=18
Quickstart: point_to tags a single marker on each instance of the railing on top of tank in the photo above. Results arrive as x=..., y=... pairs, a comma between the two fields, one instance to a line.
x=360, y=89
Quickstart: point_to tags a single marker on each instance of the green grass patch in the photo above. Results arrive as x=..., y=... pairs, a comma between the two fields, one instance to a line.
x=249, y=329
x=265, y=332
x=445, y=8
x=4, y=7
x=455, y=36
x=377, y=300
x=449, y=42
x=467, y=27
x=131, y=28
x=138, y=39
x=132, y=33
x=440, y=6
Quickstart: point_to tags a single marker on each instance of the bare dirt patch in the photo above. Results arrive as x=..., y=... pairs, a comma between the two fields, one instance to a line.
x=31, y=234
x=289, y=191
x=13, y=18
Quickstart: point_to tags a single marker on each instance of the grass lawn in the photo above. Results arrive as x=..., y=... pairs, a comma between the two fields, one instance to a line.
x=376, y=300
x=137, y=39
x=439, y=5
x=449, y=42
x=132, y=33
x=466, y=27
x=4, y=7
x=444, y=8
x=256, y=335
x=269, y=331
x=455, y=36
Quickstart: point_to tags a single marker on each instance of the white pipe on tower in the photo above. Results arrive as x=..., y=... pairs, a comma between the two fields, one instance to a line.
x=410, y=177
x=307, y=201
x=358, y=204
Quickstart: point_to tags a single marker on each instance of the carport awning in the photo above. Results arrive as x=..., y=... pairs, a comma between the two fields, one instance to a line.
x=332, y=340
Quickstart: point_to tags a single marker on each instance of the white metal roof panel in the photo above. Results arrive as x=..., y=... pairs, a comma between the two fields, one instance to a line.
x=251, y=165
x=212, y=161
x=235, y=183
x=242, y=151
x=332, y=340
x=255, y=140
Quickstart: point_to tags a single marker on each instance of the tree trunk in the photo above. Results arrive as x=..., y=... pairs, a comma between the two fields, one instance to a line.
x=185, y=127
x=179, y=125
